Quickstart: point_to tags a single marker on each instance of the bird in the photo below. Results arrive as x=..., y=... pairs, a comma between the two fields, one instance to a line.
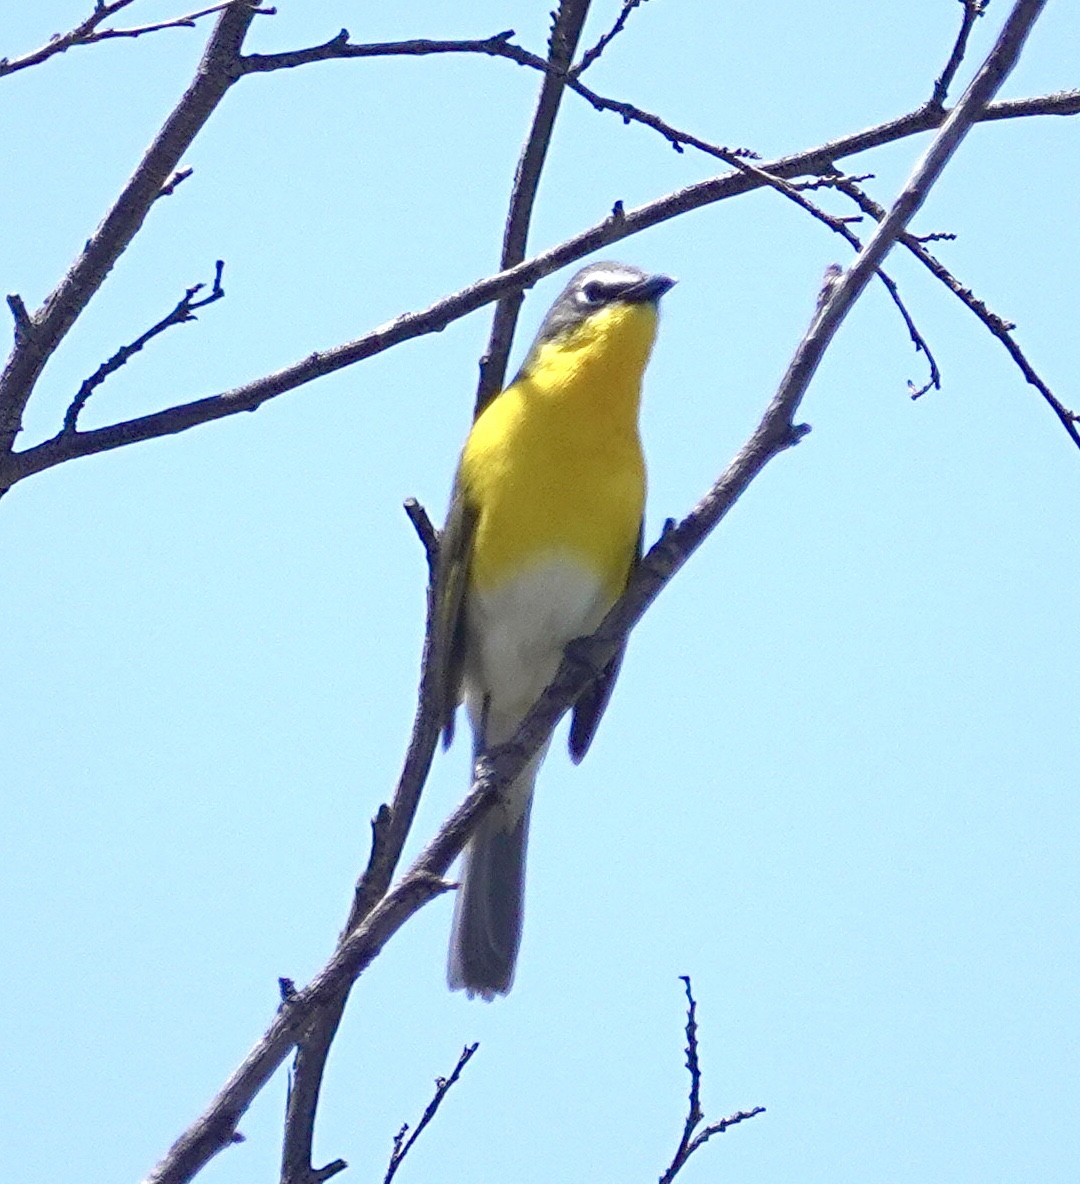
x=542, y=535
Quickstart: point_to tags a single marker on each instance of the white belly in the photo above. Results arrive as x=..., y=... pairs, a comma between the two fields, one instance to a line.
x=517, y=633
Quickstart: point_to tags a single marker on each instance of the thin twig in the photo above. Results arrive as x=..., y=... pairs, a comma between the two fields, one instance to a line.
x=676, y=137
x=689, y=1143
x=997, y=325
x=88, y=32
x=565, y=34
x=973, y=9
x=180, y=22
x=590, y=55
x=694, y=1113
x=183, y=312
x=796, y=193
x=61, y=42
x=925, y=118
x=443, y=1085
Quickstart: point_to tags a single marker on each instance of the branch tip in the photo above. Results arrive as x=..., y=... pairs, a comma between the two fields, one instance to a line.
x=24, y=324
x=401, y=1145
x=425, y=531
x=321, y=1175
x=175, y=180
x=181, y=314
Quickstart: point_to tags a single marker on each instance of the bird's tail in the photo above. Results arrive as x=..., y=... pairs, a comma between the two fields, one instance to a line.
x=490, y=902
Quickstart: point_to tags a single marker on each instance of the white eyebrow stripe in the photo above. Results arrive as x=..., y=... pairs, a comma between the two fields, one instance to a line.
x=611, y=279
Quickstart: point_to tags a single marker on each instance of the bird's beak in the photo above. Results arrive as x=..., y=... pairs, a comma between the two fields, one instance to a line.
x=650, y=289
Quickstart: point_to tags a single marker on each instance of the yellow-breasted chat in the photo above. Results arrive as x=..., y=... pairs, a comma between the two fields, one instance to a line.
x=543, y=531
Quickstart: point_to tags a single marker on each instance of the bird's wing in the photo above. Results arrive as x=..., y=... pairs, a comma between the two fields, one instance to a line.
x=593, y=700
x=448, y=624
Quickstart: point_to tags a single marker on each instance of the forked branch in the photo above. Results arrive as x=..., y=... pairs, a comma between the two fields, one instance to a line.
x=183, y=312
x=692, y=1138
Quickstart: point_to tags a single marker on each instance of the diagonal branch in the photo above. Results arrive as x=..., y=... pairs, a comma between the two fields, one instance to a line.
x=565, y=34
x=997, y=325
x=216, y=73
x=89, y=32
x=443, y=1085
x=928, y=117
x=796, y=194
x=775, y=433
x=590, y=55
x=182, y=313
x=82, y=34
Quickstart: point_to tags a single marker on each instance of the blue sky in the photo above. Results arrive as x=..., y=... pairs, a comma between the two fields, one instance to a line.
x=837, y=783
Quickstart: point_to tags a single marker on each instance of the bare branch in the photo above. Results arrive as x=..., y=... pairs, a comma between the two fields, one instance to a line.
x=442, y=1088
x=689, y=1143
x=24, y=363
x=840, y=226
x=592, y=54
x=997, y=325
x=180, y=22
x=216, y=1129
x=498, y=45
x=621, y=224
x=694, y=1113
x=1062, y=102
x=23, y=325
x=925, y=118
x=61, y=42
x=90, y=33
x=973, y=9
x=216, y=73
x=429, y=536
x=565, y=34
x=178, y=178
x=184, y=311
x=676, y=138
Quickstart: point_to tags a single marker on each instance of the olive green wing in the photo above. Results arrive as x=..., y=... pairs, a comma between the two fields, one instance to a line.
x=593, y=700
x=447, y=655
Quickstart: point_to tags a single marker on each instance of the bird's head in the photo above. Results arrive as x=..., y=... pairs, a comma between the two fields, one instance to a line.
x=606, y=316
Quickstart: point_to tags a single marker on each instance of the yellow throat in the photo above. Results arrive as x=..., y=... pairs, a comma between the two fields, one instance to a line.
x=554, y=463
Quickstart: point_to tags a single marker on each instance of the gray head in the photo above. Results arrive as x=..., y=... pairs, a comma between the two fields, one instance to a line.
x=594, y=287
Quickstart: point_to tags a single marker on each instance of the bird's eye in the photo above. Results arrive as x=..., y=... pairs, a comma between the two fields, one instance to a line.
x=592, y=292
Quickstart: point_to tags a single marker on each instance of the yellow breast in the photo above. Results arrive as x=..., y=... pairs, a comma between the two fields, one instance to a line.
x=554, y=463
